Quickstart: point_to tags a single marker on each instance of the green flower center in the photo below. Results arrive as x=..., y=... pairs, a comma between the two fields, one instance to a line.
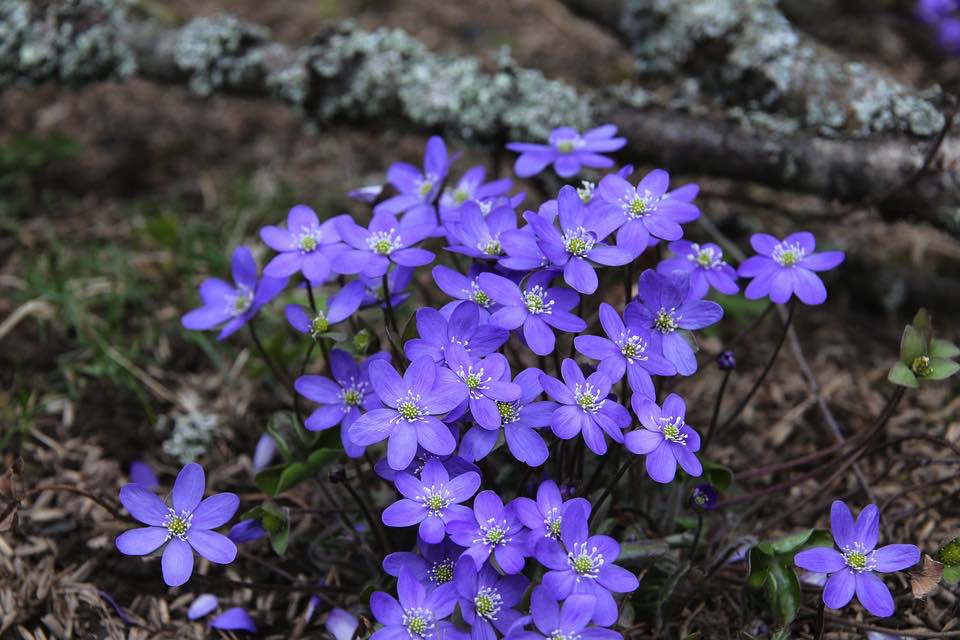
x=319, y=325
x=425, y=188
x=435, y=503
x=787, y=255
x=630, y=349
x=534, y=302
x=383, y=247
x=921, y=366
x=638, y=207
x=494, y=536
x=586, y=192
x=665, y=322
x=177, y=526
x=473, y=381
x=857, y=561
x=481, y=298
x=671, y=432
x=352, y=397
x=442, y=572
x=417, y=624
x=242, y=301
x=565, y=146
x=460, y=196
x=308, y=243
x=409, y=410
x=383, y=243
x=583, y=564
x=484, y=605
x=508, y=412
x=576, y=246
x=586, y=401
x=493, y=248
x=553, y=528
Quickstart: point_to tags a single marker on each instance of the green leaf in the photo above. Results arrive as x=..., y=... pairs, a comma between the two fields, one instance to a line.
x=643, y=549
x=781, y=634
x=941, y=369
x=912, y=345
x=951, y=575
x=275, y=521
x=718, y=475
x=792, y=542
x=921, y=322
x=949, y=554
x=782, y=588
x=943, y=349
x=278, y=478
x=901, y=375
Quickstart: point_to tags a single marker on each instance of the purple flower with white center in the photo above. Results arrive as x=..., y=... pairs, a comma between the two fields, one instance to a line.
x=432, y=567
x=419, y=615
x=576, y=246
x=342, y=398
x=645, y=210
x=431, y=501
x=385, y=241
x=484, y=382
x=415, y=187
x=787, y=267
x=411, y=406
x=562, y=622
x=666, y=439
x=397, y=281
x=233, y=305
x=568, y=151
x=665, y=311
x=492, y=529
x=624, y=350
x=487, y=598
x=472, y=187
x=520, y=420
x=342, y=305
x=544, y=517
x=539, y=309
x=341, y=624
x=463, y=328
x=579, y=563
x=184, y=527
x=247, y=530
x=585, y=407
x=464, y=287
x=704, y=265
x=478, y=236
x=305, y=245
x=704, y=497
x=234, y=619
x=853, y=569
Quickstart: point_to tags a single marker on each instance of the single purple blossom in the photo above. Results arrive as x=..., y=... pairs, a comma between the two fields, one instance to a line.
x=519, y=419
x=484, y=382
x=417, y=188
x=247, y=530
x=477, y=235
x=645, y=210
x=142, y=473
x=665, y=312
x=431, y=501
x=853, y=569
x=569, y=620
x=343, y=304
x=306, y=245
x=933, y=11
x=539, y=309
x=463, y=328
x=341, y=624
x=579, y=563
x=568, y=151
x=785, y=268
x=432, y=567
x=576, y=246
x=492, y=529
x=234, y=619
x=184, y=527
x=666, y=439
x=412, y=404
x=624, y=351
x=704, y=497
x=585, y=408
x=471, y=187
x=385, y=241
x=544, y=517
x=341, y=399
x=704, y=265
x=464, y=287
x=487, y=598
x=233, y=306
x=419, y=615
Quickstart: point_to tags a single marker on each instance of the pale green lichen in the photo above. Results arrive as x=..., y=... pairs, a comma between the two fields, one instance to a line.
x=221, y=52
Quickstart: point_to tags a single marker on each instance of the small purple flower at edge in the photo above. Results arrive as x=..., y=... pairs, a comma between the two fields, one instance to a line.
x=544, y=517
x=433, y=567
x=306, y=245
x=786, y=268
x=185, y=527
x=853, y=569
x=487, y=598
x=568, y=620
x=417, y=189
x=666, y=439
x=418, y=615
x=484, y=383
x=233, y=305
x=583, y=564
x=568, y=151
x=463, y=288
x=343, y=304
x=492, y=529
x=704, y=265
x=431, y=501
x=372, y=250
x=471, y=188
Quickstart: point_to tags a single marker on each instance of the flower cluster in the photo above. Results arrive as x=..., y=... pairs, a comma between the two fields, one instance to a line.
x=944, y=17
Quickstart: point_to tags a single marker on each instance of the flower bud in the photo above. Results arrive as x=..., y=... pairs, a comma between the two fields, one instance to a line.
x=338, y=475
x=704, y=497
x=726, y=361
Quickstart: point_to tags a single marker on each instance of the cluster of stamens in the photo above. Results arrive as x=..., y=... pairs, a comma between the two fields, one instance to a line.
x=509, y=412
x=493, y=533
x=632, y=347
x=425, y=185
x=787, y=255
x=460, y=195
x=588, y=397
x=491, y=247
x=487, y=603
x=536, y=300
x=586, y=191
x=383, y=243
x=558, y=634
x=409, y=409
x=568, y=145
x=584, y=561
x=552, y=523
x=921, y=366
x=177, y=524
x=478, y=295
x=240, y=301
x=319, y=325
x=436, y=499
x=666, y=321
x=859, y=558
x=636, y=206
x=578, y=241
x=706, y=257
x=441, y=572
x=418, y=621
x=352, y=393
x=672, y=430
x=474, y=380
x=308, y=239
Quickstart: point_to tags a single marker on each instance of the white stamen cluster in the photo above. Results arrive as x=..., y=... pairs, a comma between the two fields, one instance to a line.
x=487, y=603
x=493, y=533
x=672, y=429
x=632, y=347
x=177, y=524
x=436, y=499
x=578, y=242
x=787, y=255
x=240, y=301
x=475, y=381
x=536, y=300
x=585, y=561
x=706, y=257
x=409, y=409
x=352, y=393
x=588, y=397
x=308, y=238
x=859, y=558
x=383, y=243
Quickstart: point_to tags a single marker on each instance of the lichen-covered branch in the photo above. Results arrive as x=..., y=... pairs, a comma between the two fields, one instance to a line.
x=383, y=77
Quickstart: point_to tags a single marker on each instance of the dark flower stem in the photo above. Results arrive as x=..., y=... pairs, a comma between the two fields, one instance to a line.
x=278, y=373
x=375, y=525
x=613, y=483
x=388, y=308
x=821, y=622
x=766, y=370
x=716, y=412
x=296, y=396
x=313, y=301
x=325, y=350
x=696, y=537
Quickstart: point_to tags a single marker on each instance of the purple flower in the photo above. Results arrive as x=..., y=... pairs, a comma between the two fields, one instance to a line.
x=579, y=563
x=433, y=567
x=397, y=281
x=234, y=619
x=478, y=236
x=585, y=407
x=263, y=453
x=185, y=527
x=341, y=624
x=341, y=306
x=853, y=569
x=494, y=529
x=305, y=245
x=536, y=309
x=948, y=35
x=785, y=268
x=464, y=287
x=142, y=473
x=544, y=517
x=385, y=241
x=463, y=328
x=569, y=620
x=432, y=500
x=418, y=615
x=704, y=265
x=484, y=382
x=487, y=598
x=932, y=11
x=247, y=531
x=645, y=210
x=665, y=311
x=567, y=151
x=520, y=419
x=624, y=351
x=455, y=465
x=417, y=188
x=412, y=404
x=233, y=305
x=342, y=398
x=471, y=188
x=665, y=438
x=523, y=253
x=575, y=247
x=704, y=497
